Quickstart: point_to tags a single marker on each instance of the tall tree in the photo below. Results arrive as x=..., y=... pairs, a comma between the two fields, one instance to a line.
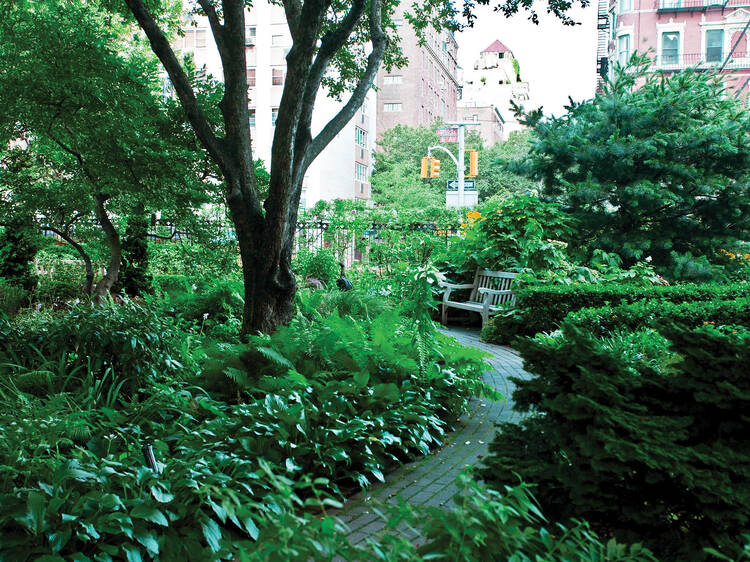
x=337, y=43
x=655, y=166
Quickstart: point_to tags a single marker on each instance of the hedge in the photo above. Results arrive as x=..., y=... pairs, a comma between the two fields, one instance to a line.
x=604, y=320
x=650, y=450
x=543, y=308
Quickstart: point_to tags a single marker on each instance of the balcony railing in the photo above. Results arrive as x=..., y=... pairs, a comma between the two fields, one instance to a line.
x=700, y=61
x=690, y=5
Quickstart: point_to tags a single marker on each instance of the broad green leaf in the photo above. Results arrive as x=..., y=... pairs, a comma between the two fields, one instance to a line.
x=149, y=513
x=212, y=532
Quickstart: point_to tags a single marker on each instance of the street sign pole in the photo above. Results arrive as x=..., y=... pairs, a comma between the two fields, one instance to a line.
x=460, y=164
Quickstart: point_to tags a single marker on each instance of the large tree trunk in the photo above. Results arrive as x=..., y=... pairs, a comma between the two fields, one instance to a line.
x=269, y=282
x=115, y=250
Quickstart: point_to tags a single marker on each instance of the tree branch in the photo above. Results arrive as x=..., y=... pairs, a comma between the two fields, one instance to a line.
x=293, y=9
x=88, y=284
x=334, y=126
x=160, y=46
x=213, y=19
x=330, y=44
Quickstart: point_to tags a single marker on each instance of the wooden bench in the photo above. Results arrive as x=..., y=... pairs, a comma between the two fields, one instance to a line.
x=489, y=293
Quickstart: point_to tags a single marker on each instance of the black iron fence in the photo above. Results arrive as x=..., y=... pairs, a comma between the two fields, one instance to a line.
x=355, y=245
x=350, y=244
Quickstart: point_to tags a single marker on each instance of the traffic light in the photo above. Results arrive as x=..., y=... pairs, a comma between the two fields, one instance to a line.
x=434, y=168
x=473, y=163
x=426, y=166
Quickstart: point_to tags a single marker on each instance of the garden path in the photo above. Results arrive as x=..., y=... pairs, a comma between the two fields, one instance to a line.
x=431, y=480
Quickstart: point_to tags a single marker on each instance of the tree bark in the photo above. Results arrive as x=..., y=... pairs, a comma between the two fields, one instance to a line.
x=115, y=250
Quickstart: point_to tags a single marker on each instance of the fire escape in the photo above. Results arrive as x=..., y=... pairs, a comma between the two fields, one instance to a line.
x=602, y=45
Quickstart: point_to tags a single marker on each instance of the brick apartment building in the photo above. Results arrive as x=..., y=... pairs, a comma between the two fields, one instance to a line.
x=425, y=90
x=702, y=34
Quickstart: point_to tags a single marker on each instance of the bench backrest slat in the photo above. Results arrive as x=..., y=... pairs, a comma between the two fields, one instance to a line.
x=497, y=280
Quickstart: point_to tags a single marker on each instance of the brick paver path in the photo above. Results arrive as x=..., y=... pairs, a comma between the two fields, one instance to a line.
x=431, y=480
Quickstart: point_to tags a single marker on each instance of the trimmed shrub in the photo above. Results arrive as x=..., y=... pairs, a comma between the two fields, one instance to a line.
x=604, y=320
x=168, y=283
x=543, y=308
x=647, y=446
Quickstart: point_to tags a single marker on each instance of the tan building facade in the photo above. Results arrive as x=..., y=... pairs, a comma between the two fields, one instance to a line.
x=491, y=124
x=427, y=88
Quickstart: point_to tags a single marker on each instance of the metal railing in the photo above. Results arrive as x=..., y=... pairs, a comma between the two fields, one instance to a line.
x=692, y=5
x=356, y=247
x=352, y=246
x=701, y=61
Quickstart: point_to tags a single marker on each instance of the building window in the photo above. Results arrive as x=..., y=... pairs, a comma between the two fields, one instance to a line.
x=249, y=35
x=625, y=5
x=200, y=38
x=360, y=136
x=393, y=79
x=612, y=31
x=251, y=111
x=714, y=45
x=277, y=40
x=670, y=47
x=277, y=77
x=623, y=49
x=274, y=115
x=251, y=77
x=391, y=107
x=194, y=39
x=360, y=172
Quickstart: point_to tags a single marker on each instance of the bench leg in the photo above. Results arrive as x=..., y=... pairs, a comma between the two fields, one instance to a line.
x=444, y=316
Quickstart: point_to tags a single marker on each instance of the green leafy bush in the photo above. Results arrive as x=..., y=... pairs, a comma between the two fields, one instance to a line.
x=12, y=297
x=19, y=243
x=64, y=282
x=543, y=308
x=123, y=342
x=345, y=398
x=207, y=259
x=647, y=444
x=321, y=264
x=280, y=426
x=521, y=232
x=486, y=525
x=356, y=303
x=172, y=283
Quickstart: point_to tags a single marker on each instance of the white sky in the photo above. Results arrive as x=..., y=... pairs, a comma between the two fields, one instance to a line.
x=557, y=60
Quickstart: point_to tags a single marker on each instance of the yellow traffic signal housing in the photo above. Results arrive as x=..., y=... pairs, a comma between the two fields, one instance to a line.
x=473, y=163
x=426, y=166
x=434, y=168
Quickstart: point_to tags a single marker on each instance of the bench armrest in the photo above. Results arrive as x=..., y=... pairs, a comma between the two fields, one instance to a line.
x=486, y=293
x=454, y=286
x=494, y=291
